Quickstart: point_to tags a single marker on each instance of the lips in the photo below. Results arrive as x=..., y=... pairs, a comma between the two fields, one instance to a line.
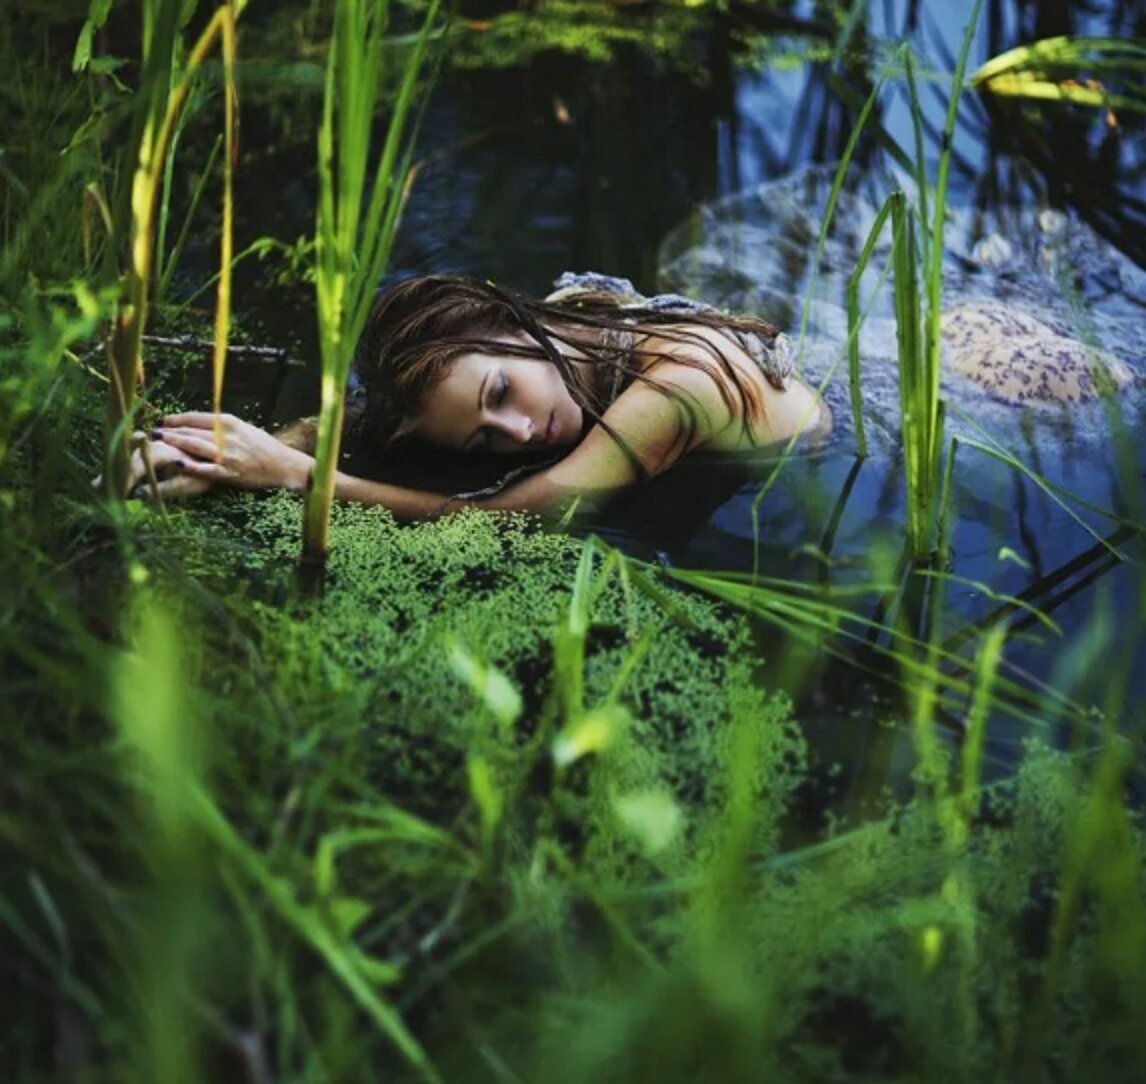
x=551, y=429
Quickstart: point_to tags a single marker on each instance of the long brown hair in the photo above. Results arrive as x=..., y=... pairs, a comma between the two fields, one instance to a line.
x=417, y=328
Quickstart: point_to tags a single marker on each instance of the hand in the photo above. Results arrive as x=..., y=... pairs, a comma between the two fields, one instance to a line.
x=157, y=470
x=249, y=458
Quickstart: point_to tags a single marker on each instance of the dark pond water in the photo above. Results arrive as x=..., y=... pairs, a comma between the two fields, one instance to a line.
x=558, y=163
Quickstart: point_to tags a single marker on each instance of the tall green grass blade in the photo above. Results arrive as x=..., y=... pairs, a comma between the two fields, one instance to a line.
x=387, y=201
x=353, y=246
x=848, y=31
x=934, y=270
x=342, y=958
x=1056, y=493
x=818, y=616
x=986, y=670
x=163, y=98
x=1014, y=603
x=833, y=199
x=878, y=130
x=1070, y=69
x=227, y=36
x=163, y=747
x=920, y=160
x=170, y=259
x=134, y=222
x=569, y=639
x=852, y=295
x=943, y=528
x=165, y=186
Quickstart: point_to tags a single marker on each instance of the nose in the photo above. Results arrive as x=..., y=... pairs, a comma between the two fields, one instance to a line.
x=517, y=428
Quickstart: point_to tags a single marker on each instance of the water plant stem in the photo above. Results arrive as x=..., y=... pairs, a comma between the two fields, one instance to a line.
x=163, y=99
x=353, y=234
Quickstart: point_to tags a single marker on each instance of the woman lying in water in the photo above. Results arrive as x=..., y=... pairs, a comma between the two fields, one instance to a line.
x=616, y=386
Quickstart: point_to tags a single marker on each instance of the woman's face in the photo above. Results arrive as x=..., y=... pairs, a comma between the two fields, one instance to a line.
x=499, y=403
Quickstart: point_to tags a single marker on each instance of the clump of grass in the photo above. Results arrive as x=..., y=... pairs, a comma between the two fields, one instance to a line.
x=499, y=803
x=354, y=232
x=164, y=85
x=1072, y=70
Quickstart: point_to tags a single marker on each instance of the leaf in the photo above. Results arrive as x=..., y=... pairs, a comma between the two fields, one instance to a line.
x=653, y=817
x=98, y=12
x=108, y=65
x=83, y=50
x=381, y=972
x=348, y=913
x=1008, y=554
x=593, y=732
x=490, y=685
x=486, y=796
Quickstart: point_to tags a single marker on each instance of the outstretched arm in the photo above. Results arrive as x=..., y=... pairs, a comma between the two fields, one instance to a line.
x=647, y=421
x=652, y=429
x=186, y=460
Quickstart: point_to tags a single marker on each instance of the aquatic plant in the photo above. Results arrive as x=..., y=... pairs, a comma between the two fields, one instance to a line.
x=164, y=85
x=354, y=233
x=1105, y=73
x=917, y=327
x=501, y=804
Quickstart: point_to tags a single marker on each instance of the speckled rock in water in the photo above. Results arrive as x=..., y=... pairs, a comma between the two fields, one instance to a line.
x=1019, y=359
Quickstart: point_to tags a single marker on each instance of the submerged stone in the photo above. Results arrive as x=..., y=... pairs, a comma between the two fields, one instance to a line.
x=1018, y=358
x=1038, y=310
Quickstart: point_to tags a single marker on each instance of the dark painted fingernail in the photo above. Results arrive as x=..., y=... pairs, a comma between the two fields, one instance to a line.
x=180, y=464
x=156, y=434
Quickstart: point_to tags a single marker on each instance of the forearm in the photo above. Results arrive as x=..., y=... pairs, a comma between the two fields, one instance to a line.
x=406, y=504
x=536, y=494
x=250, y=458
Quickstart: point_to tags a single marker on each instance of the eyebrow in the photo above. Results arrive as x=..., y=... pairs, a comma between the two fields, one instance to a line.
x=481, y=397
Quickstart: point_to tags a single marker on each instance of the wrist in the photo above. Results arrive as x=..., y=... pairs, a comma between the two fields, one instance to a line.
x=297, y=470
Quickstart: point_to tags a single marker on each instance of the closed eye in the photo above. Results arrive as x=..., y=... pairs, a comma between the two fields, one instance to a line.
x=500, y=390
x=495, y=397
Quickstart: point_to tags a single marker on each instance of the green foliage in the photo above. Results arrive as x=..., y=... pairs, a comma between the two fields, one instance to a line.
x=49, y=154
x=354, y=231
x=36, y=351
x=499, y=805
x=347, y=716
x=384, y=834
x=1102, y=72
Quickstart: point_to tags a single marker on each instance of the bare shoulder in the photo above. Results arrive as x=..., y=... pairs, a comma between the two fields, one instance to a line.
x=728, y=386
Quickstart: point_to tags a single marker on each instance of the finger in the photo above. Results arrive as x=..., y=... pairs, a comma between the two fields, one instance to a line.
x=198, y=419
x=207, y=471
x=152, y=458
x=157, y=453
x=179, y=487
x=191, y=441
x=136, y=471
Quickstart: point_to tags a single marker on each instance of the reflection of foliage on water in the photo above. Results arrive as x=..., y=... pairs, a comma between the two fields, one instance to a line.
x=590, y=30
x=673, y=34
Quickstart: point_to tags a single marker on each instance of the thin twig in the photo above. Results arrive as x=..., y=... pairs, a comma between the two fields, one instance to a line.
x=192, y=342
